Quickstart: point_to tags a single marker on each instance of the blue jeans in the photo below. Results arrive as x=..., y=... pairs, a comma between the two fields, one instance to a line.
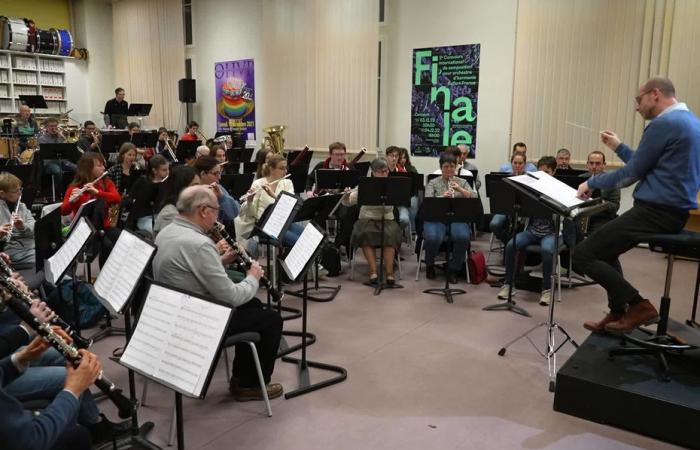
x=433, y=235
x=523, y=239
x=498, y=226
x=292, y=234
x=413, y=212
x=44, y=379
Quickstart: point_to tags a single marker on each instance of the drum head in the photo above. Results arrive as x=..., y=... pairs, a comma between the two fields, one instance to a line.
x=46, y=42
x=15, y=34
x=65, y=42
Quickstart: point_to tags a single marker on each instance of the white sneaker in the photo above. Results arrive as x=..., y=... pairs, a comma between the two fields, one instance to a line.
x=546, y=297
x=503, y=293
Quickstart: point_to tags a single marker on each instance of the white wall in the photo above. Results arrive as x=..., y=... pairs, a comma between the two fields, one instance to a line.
x=91, y=83
x=418, y=24
x=224, y=30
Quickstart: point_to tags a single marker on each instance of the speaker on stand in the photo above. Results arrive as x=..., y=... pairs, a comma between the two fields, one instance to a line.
x=188, y=94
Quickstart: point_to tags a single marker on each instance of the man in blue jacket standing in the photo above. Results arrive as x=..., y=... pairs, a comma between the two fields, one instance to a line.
x=666, y=166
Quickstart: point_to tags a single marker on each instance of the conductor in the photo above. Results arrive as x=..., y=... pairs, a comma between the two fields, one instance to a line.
x=666, y=166
x=116, y=110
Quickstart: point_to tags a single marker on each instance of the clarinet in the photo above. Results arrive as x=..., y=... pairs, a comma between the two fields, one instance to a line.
x=219, y=232
x=71, y=354
x=79, y=341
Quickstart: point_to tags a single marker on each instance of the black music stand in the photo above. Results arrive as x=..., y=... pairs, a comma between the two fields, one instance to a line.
x=305, y=160
x=449, y=211
x=144, y=139
x=34, y=101
x=557, y=210
x=47, y=236
x=139, y=110
x=238, y=156
x=111, y=142
x=503, y=199
x=362, y=167
x=305, y=385
x=417, y=181
x=59, y=152
x=373, y=191
x=237, y=184
x=317, y=209
x=298, y=176
x=186, y=150
x=330, y=179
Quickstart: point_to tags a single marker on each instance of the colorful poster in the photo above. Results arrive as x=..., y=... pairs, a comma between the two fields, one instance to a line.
x=444, y=99
x=235, y=97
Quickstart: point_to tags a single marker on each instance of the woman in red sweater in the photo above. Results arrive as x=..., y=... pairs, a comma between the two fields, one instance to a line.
x=84, y=187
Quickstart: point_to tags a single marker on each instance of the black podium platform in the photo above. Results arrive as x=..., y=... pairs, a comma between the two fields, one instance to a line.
x=626, y=392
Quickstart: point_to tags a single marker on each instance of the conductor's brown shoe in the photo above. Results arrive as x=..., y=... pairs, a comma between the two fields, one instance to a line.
x=599, y=327
x=243, y=394
x=642, y=313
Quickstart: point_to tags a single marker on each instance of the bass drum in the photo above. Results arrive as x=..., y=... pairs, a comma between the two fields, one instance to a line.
x=15, y=34
x=46, y=42
x=65, y=42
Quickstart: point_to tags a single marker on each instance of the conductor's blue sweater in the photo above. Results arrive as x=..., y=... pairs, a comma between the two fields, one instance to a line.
x=666, y=163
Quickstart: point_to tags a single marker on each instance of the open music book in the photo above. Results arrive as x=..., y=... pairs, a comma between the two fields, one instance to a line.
x=176, y=340
x=547, y=185
x=122, y=271
x=56, y=266
x=303, y=251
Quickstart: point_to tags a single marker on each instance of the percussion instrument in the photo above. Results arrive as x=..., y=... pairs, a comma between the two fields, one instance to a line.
x=65, y=42
x=15, y=34
x=31, y=27
x=46, y=42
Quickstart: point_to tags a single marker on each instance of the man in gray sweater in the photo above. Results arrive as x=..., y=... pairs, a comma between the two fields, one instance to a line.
x=188, y=259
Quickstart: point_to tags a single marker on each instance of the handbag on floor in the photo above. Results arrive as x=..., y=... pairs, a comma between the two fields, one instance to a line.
x=477, y=267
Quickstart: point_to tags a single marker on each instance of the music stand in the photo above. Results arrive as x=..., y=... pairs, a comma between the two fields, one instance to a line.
x=330, y=179
x=186, y=150
x=47, y=236
x=449, y=211
x=250, y=167
x=317, y=210
x=145, y=139
x=505, y=200
x=237, y=184
x=298, y=175
x=569, y=172
x=417, y=183
x=297, y=264
x=373, y=191
x=304, y=161
x=59, y=152
x=111, y=142
x=238, y=156
x=139, y=110
x=558, y=210
x=34, y=101
x=361, y=167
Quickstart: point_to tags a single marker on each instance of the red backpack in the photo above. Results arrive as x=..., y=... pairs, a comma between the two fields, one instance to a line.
x=477, y=267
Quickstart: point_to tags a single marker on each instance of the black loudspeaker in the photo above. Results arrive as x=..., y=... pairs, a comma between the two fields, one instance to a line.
x=188, y=90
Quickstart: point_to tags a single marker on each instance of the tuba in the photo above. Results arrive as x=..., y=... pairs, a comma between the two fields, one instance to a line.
x=276, y=139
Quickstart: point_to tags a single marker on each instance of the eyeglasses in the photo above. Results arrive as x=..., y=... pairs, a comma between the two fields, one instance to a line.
x=639, y=98
x=216, y=173
x=216, y=208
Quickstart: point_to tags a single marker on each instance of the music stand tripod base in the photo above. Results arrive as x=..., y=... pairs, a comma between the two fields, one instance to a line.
x=447, y=292
x=508, y=305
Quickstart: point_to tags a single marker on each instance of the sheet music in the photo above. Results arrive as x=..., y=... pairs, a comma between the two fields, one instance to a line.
x=176, y=339
x=546, y=184
x=79, y=214
x=303, y=250
x=48, y=208
x=58, y=263
x=279, y=215
x=123, y=270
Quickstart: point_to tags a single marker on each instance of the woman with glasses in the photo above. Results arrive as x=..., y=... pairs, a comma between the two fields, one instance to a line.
x=274, y=171
x=16, y=223
x=209, y=171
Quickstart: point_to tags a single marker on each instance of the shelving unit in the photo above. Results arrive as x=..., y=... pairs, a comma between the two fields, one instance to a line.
x=32, y=74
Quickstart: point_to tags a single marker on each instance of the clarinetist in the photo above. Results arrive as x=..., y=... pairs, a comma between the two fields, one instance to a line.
x=188, y=259
x=72, y=420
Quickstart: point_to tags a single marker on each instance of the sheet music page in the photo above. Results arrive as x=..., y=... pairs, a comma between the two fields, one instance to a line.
x=546, y=184
x=59, y=262
x=176, y=339
x=302, y=251
x=122, y=271
x=279, y=215
x=48, y=208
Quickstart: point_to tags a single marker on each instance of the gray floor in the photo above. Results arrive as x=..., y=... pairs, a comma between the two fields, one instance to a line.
x=421, y=373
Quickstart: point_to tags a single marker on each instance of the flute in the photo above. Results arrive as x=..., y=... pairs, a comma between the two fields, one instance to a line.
x=8, y=237
x=219, y=232
x=71, y=354
x=83, y=189
x=253, y=193
x=26, y=297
